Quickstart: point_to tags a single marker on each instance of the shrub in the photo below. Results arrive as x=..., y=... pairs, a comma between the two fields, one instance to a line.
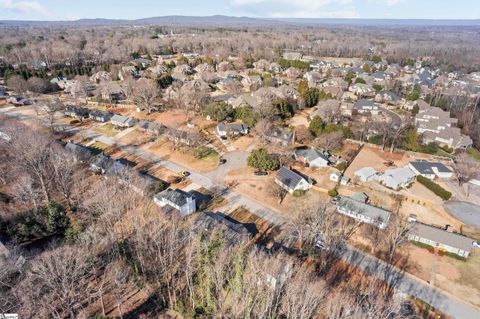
x=203, y=151
x=298, y=193
x=260, y=159
x=421, y=245
x=455, y=256
x=342, y=166
x=333, y=192
x=434, y=187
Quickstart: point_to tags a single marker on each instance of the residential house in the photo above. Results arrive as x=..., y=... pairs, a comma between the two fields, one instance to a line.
x=366, y=174
x=252, y=82
x=100, y=116
x=430, y=169
x=313, y=157
x=229, y=85
x=122, y=121
x=231, y=129
x=345, y=180
x=437, y=126
x=441, y=239
x=362, y=90
x=281, y=136
x=208, y=223
x=361, y=211
x=76, y=111
x=152, y=127
x=366, y=106
x=180, y=200
x=397, y=178
x=104, y=164
x=80, y=152
x=292, y=181
x=387, y=97
x=18, y=100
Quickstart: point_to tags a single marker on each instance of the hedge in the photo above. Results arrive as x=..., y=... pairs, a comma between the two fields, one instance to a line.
x=430, y=248
x=434, y=187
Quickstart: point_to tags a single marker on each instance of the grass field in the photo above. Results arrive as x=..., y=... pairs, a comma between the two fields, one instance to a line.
x=474, y=153
x=107, y=129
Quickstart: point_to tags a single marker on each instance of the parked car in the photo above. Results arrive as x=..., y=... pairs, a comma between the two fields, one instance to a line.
x=222, y=161
x=260, y=173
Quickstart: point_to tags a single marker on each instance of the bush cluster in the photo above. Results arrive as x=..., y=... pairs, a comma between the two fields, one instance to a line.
x=434, y=187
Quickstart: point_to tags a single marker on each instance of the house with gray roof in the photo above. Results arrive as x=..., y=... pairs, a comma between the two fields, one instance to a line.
x=210, y=222
x=430, y=169
x=100, y=116
x=232, y=129
x=441, y=239
x=397, y=178
x=76, y=111
x=281, y=136
x=361, y=211
x=366, y=106
x=178, y=199
x=292, y=181
x=312, y=156
x=366, y=174
x=122, y=121
x=80, y=152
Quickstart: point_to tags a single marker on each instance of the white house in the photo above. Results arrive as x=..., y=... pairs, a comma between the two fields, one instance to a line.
x=366, y=174
x=397, y=178
x=292, y=181
x=232, y=129
x=313, y=157
x=441, y=239
x=122, y=121
x=182, y=201
x=363, y=212
x=430, y=169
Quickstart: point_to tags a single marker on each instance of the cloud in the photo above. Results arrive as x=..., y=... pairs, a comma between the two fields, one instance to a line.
x=25, y=7
x=297, y=8
x=388, y=2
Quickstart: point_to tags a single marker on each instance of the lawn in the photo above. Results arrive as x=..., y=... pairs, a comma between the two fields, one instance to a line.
x=107, y=129
x=441, y=152
x=99, y=145
x=185, y=156
x=474, y=153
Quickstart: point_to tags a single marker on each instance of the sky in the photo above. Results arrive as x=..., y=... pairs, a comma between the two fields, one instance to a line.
x=134, y=9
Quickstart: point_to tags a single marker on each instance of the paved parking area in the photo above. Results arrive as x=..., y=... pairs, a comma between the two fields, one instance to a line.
x=466, y=212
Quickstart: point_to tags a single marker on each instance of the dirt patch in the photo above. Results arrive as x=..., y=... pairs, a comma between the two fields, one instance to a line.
x=459, y=278
x=376, y=158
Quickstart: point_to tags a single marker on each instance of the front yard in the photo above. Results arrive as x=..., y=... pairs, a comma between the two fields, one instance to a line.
x=107, y=129
x=185, y=156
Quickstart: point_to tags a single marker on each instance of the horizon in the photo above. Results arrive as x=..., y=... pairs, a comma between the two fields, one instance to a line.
x=50, y=10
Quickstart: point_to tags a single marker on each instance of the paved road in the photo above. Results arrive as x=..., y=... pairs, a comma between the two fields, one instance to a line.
x=401, y=281
x=396, y=119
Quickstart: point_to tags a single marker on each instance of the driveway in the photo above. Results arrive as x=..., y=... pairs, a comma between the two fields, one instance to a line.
x=466, y=212
x=396, y=119
x=235, y=160
x=401, y=281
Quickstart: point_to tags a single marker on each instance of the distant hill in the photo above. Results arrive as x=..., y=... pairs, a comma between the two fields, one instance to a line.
x=226, y=21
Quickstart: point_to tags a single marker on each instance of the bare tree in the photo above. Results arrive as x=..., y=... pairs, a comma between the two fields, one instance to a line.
x=145, y=93
x=17, y=84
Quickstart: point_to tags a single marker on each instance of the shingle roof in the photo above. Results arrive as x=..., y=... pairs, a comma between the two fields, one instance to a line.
x=441, y=236
x=176, y=196
x=208, y=222
x=311, y=154
x=372, y=212
x=424, y=167
x=289, y=178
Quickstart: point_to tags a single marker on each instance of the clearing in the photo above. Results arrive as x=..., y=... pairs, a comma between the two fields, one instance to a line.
x=184, y=156
x=107, y=129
